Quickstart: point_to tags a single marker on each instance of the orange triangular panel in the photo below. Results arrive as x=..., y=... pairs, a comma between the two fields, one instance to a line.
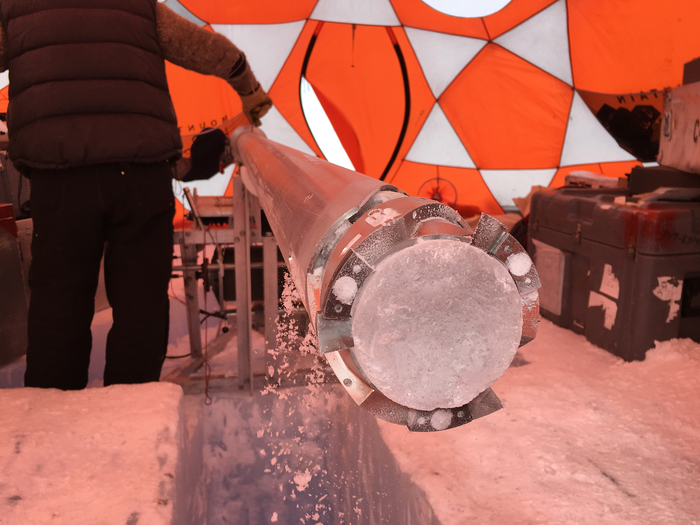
x=415, y=13
x=285, y=91
x=244, y=12
x=201, y=101
x=508, y=113
x=357, y=69
x=229, y=188
x=473, y=196
x=4, y=99
x=618, y=46
x=513, y=14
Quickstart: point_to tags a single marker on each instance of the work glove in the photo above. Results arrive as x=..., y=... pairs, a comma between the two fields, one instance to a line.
x=256, y=105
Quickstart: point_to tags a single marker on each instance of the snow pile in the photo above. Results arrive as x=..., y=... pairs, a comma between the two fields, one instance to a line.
x=108, y=456
x=436, y=324
x=585, y=438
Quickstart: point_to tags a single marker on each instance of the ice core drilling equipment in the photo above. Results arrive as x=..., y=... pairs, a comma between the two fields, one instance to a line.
x=416, y=314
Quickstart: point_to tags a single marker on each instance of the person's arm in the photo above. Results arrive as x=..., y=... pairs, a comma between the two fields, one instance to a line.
x=191, y=47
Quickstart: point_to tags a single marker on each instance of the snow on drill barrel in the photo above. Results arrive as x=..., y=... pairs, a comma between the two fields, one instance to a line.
x=416, y=314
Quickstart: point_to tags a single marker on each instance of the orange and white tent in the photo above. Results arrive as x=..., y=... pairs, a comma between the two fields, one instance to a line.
x=471, y=107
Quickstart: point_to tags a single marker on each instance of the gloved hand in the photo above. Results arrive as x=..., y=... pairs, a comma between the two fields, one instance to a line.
x=256, y=105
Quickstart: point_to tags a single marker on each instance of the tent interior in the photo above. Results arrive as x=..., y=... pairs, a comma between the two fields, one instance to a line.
x=549, y=115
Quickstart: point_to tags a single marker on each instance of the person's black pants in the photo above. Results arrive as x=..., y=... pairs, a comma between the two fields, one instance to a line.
x=125, y=210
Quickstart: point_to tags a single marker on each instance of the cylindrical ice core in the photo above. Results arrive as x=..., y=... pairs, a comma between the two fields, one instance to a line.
x=436, y=324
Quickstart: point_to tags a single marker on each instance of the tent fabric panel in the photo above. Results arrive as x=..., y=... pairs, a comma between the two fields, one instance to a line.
x=258, y=12
x=370, y=12
x=266, y=46
x=618, y=46
x=343, y=130
x=485, y=104
x=587, y=140
x=513, y=14
x=4, y=89
x=278, y=129
x=442, y=56
x=184, y=12
x=437, y=143
x=415, y=13
x=421, y=97
x=508, y=184
x=473, y=196
x=201, y=101
x=344, y=67
x=4, y=99
x=544, y=41
x=285, y=92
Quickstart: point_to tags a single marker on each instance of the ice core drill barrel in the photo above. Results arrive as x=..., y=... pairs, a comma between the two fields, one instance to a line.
x=416, y=314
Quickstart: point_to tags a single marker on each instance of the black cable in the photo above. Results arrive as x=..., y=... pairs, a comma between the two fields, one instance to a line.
x=407, y=105
x=304, y=65
x=207, y=315
x=178, y=356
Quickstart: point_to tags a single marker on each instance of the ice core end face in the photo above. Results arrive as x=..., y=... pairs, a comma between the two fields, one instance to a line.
x=436, y=324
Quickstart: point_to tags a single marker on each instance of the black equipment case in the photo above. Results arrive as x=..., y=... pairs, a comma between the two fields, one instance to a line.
x=623, y=271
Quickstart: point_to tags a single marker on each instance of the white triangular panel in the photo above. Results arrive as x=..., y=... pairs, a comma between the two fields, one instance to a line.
x=266, y=46
x=368, y=12
x=507, y=184
x=181, y=10
x=544, y=41
x=4, y=79
x=586, y=139
x=438, y=143
x=278, y=129
x=442, y=56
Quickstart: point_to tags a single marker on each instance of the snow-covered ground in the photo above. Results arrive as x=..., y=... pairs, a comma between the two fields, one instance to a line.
x=584, y=438
x=99, y=456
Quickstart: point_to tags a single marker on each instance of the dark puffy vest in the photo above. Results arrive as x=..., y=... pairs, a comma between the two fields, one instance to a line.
x=87, y=83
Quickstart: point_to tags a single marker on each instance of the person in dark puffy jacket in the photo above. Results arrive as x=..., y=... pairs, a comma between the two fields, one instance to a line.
x=91, y=123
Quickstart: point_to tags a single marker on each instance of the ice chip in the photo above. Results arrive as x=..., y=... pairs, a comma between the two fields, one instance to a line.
x=519, y=263
x=441, y=419
x=345, y=289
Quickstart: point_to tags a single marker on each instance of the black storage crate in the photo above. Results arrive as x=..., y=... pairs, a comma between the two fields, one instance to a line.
x=623, y=273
